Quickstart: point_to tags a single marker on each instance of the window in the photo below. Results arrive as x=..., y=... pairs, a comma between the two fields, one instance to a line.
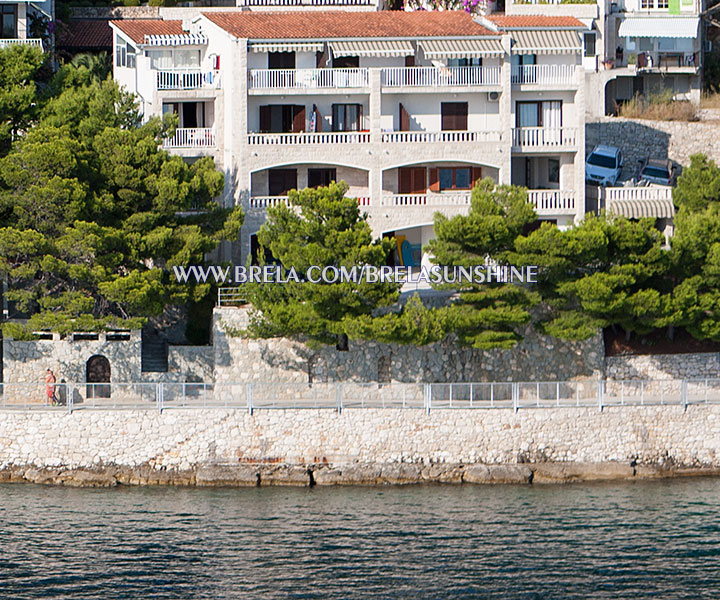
x=553, y=170
x=346, y=117
x=282, y=118
x=8, y=24
x=412, y=180
x=187, y=59
x=346, y=62
x=647, y=4
x=646, y=44
x=465, y=62
x=589, y=44
x=454, y=116
x=160, y=59
x=662, y=4
x=321, y=177
x=281, y=181
x=539, y=114
x=456, y=178
x=522, y=71
x=130, y=57
x=281, y=60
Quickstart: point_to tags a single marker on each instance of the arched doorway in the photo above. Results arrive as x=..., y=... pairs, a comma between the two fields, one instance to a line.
x=97, y=371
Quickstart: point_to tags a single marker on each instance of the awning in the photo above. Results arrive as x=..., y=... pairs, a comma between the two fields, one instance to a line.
x=461, y=48
x=671, y=27
x=281, y=46
x=372, y=48
x=545, y=42
x=637, y=209
x=185, y=39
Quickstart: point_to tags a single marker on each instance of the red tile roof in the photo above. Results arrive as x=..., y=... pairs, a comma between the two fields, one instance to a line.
x=339, y=24
x=85, y=33
x=137, y=29
x=534, y=22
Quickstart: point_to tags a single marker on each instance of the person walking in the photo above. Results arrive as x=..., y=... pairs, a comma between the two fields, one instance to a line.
x=50, y=387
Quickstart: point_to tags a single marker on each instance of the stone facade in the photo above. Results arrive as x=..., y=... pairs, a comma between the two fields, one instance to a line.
x=664, y=366
x=284, y=445
x=240, y=360
x=639, y=138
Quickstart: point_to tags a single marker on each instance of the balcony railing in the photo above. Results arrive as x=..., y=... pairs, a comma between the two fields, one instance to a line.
x=552, y=202
x=543, y=74
x=306, y=3
x=414, y=137
x=544, y=137
x=191, y=137
x=437, y=199
x=271, y=201
x=26, y=42
x=308, y=78
x=440, y=76
x=301, y=139
x=660, y=192
x=192, y=79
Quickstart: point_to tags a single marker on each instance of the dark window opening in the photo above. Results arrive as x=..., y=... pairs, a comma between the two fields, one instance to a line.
x=281, y=181
x=8, y=12
x=456, y=178
x=321, y=177
x=589, y=39
x=346, y=62
x=281, y=60
x=346, y=117
x=454, y=116
x=282, y=118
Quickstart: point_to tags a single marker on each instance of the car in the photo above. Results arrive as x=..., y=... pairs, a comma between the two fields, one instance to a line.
x=603, y=165
x=661, y=171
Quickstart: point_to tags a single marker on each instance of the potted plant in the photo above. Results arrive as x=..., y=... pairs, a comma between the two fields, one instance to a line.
x=632, y=61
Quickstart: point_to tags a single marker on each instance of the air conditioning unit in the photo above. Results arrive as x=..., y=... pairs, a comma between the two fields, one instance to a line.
x=493, y=96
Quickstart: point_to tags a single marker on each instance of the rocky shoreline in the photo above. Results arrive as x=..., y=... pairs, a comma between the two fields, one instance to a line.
x=263, y=475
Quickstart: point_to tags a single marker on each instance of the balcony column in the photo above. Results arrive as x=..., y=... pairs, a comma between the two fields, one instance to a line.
x=22, y=32
x=375, y=106
x=236, y=149
x=580, y=144
x=505, y=108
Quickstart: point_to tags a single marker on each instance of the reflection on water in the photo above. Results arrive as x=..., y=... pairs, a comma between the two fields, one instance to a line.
x=632, y=540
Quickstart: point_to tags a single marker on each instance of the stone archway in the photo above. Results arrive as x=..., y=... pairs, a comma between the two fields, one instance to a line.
x=97, y=371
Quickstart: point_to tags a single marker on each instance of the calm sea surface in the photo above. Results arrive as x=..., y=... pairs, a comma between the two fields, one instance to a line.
x=630, y=540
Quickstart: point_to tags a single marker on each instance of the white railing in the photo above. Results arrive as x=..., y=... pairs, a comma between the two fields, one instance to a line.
x=191, y=137
x=307, y=78
x=246, y=396
x=542, y=137
x=543, y=74
x=413, y=137
x=612, y=194
x=298, y=139
x=305, y=3
x=26, y=42
x=187, y=79
x=270, y=201
x=438, y=199
x=230, y=296
x=552, y=201
x=439, y=76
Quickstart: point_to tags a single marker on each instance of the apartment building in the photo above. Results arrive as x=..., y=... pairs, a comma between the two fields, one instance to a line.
x=16, y=19
x=632, y=46
x=409, y=108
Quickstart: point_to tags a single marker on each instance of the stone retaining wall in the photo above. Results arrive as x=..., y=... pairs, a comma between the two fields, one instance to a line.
x=664, y=366
x=357, y=446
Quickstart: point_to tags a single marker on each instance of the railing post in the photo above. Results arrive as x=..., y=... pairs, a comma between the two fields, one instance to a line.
x=600, y=392
x=249, y=396
x=338, y=396
x=516, y=396
x=428, y=397
x=69, y=396
x=160, y=393
x=683, y=394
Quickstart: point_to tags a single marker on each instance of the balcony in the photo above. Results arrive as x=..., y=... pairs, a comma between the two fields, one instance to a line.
x=436, y=199
x=4, y=43
x=552, y=202
x=264, y=202
x=542, y=138
x=195, y=137
x=308, y=79
x=655, y=201
x=408, y=77
x=302, y=139
x=192, y=79
x=425, y=137
x=543, y=75
x=305, y=3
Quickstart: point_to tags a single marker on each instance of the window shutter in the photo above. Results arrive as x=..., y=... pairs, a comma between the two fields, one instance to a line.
x=409, y=61
x=434, y=180
x=476, y=175
x=461, y=116
x=419, y=181
x=320, y=59
x=298, y=119
x=404, y=180
x=264, y=119
x=404, y=119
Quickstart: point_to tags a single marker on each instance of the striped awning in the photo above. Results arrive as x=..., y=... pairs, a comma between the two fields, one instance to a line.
x=461, y=48
x=372, y=48
x=185, y=39
x=546, y=42
x=281, y=46
x=637, y=209
x=671, y=27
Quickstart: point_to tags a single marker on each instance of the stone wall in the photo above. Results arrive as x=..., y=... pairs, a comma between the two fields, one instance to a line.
x=238, y=359
x=638, y=139
x=664, y=366
x=182, y=440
